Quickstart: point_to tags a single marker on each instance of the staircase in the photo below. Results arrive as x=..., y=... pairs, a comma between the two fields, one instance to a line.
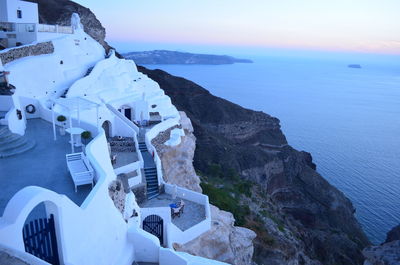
x=13, y=144
x=152, y=182
x=150, y=172
x=142, y=147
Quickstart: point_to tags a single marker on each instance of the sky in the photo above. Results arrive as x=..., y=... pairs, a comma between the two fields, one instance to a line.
x=367, y=26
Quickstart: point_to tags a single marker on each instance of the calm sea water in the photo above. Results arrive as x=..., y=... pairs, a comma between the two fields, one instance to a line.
x=348, y=119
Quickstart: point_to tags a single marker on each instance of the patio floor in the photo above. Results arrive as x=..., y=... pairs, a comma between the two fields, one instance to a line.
x=43, y=166
x=125, y=158
x=193, y=213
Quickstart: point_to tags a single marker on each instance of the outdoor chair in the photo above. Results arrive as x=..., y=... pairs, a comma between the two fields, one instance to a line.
x=177, y=208
x=80, y=169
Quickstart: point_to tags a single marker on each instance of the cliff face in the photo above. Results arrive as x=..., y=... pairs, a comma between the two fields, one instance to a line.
x=314, y=222
x=224, y=242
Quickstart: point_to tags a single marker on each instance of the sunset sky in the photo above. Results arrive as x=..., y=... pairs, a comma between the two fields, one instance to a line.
x=349, y=25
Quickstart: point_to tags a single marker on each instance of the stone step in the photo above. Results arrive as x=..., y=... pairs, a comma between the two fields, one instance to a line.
x=152, y=184
x=152, y=180
x=152, y=189
x=150, y=172
x=13, y=144
x=151, y=195
x=8, y=138
x=4, y=131
x=22, y=149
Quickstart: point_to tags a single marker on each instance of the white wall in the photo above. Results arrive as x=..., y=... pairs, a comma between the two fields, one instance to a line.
x=29, y=11
x=37, y=82
x=170, y=257
x=146, y=245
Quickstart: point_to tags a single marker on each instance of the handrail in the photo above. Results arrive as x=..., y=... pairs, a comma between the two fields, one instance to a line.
x=55, y=29
x=123, y=118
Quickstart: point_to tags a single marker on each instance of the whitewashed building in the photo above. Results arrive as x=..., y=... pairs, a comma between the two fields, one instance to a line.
x=19, y=24
x=62, y=203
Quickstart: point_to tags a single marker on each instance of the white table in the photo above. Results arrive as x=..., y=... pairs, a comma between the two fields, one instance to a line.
x=76, y=134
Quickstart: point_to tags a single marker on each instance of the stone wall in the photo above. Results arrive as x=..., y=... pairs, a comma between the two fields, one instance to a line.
x=140, y=193
x=25, y=51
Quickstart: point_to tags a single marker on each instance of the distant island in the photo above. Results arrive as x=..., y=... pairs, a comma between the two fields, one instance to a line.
x=357, y=66
x=173, y=57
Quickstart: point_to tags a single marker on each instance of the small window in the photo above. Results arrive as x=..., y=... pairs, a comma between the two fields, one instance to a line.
x=19, y=14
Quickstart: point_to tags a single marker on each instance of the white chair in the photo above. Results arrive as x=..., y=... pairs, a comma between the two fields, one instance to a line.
x=80, y=169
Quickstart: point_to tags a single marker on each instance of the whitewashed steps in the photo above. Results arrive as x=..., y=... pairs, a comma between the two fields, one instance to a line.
x=13, y=144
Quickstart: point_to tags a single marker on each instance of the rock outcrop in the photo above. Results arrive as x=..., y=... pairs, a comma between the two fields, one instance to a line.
x=177, y=160
x=224, y=242
x=393, y=234
x=386, y=254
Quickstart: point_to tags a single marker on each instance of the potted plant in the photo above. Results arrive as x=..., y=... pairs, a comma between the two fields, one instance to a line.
x=86, y=135
x=62, y=119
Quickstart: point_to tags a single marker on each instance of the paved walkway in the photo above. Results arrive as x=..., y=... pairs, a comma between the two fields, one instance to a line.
x=193, y=213
x=43, y=166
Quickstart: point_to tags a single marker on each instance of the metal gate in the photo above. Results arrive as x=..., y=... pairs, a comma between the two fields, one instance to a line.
x=154, y=225
x=40, y=239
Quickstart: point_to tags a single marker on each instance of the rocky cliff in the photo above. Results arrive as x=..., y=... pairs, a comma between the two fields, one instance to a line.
x=248, y=168
x=298, y=216
x=225, y=241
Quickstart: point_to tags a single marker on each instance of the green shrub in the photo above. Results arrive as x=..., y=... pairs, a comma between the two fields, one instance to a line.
x=244, y=187
x=86, y=135
x=225, y=201
x=61, y=118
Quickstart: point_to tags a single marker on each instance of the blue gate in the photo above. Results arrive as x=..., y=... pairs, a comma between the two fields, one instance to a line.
x=154, y=225
x=40, y=239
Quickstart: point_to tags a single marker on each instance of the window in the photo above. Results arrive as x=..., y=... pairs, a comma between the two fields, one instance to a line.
x=19, y=14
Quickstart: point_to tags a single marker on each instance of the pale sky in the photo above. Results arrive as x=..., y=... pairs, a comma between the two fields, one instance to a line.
x=350, y=25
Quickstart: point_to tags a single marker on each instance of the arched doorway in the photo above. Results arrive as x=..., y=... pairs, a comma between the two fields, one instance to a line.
x=107, y=128
x=154, y=225
x=127, y=111
x=39, y=235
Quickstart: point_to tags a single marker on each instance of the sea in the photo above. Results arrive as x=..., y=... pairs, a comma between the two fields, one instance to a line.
x=347, y=118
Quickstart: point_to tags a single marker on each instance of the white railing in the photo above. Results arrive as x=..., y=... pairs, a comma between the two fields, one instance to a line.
x=55, y=29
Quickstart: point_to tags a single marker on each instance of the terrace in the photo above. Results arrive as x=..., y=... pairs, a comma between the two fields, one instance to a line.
x=193, y=213
x=124, y=150
x=44, y=166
